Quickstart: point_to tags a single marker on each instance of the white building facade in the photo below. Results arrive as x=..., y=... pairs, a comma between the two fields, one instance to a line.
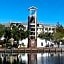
x=41, y=28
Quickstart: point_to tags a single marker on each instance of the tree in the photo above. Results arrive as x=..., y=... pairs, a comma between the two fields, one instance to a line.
x=57, y=25
x=57, y=36
x=46, y=36
x=27, y=33
x=2, y=30
x=7, y=33
x=18, y=32
x=59, y=32
x=59, y=28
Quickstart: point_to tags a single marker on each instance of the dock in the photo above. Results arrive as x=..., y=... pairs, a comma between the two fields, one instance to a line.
x=31, y=50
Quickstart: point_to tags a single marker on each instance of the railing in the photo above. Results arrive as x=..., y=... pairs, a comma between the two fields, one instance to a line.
x=33, y=50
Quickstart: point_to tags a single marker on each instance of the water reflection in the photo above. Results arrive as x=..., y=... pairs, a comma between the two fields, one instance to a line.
x=32, y=58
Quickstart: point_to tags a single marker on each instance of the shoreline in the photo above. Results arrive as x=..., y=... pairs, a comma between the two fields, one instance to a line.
x=31, y=50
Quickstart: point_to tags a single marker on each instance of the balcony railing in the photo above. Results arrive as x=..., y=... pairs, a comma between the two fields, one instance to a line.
x=32, y=23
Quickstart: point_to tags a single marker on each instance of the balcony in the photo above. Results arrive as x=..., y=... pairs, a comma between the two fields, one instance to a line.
x=32, y=23
x=32, y=31
x=32, y=35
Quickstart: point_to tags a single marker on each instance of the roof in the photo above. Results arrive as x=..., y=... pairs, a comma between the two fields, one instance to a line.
x=24, y=23
x=32, y=8
x=6, y=24
x=45, y=25
x=50, y=25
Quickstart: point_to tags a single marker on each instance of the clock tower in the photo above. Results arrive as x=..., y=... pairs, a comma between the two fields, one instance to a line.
x=32, y=27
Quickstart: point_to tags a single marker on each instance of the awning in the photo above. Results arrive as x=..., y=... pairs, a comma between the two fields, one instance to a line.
x=62, y=38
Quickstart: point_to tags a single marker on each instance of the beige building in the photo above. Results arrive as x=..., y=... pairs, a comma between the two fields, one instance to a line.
x=50, y=28
x=45, y=28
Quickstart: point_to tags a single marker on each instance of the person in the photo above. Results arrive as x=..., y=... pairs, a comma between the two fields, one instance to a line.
x=58, y=44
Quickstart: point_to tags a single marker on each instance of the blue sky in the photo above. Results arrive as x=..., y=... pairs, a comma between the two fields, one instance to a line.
x=49, y=11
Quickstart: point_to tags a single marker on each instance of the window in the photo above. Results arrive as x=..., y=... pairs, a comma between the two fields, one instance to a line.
x=38, y=25
x=32, y=20
x=41, y=43
x=22, y=44
x=53, y=29
x=32, y=37
x=42, y=29
x=32, y=29
x=46, y=28
x=32, y=12
x=32, y=25
x=37, y=29
x=49, y=28
x=32, y=33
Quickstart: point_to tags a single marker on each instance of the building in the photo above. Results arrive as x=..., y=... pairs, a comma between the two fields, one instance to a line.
x=45, y=28
x=50, y=28
x=35, y=29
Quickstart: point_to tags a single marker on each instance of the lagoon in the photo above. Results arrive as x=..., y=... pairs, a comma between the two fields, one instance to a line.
x=31, y=58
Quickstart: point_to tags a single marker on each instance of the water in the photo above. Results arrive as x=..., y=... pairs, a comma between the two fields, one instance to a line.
x=32, y=58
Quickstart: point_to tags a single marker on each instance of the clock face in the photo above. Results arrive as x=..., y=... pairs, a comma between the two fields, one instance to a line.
x=32, y=12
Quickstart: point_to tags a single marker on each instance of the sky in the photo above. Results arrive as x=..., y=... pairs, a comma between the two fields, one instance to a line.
x=49, y=11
